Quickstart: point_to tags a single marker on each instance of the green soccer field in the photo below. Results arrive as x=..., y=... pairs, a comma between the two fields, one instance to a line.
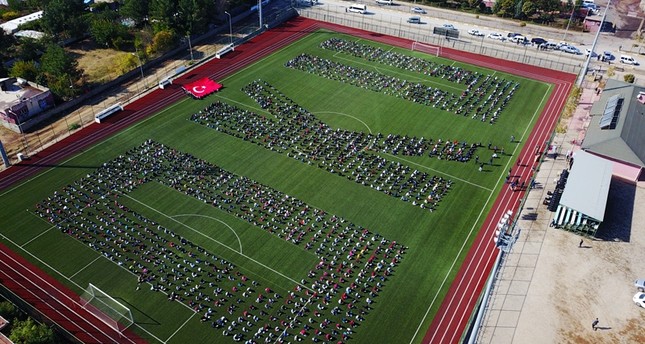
x=257, y=192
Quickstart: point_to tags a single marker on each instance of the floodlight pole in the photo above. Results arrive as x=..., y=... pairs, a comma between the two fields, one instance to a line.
x=230, y=26
x=190, y=46
x=260, y=12
x=585, y=67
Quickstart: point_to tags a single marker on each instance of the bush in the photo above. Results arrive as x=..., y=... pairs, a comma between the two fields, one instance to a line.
x=522, y=24
x=629, y=78
x=8, y=310
x=74, y=126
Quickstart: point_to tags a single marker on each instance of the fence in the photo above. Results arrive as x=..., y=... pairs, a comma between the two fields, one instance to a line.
x=393, y=25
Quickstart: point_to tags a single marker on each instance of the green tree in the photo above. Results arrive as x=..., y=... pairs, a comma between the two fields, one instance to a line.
x=504, y=8
x=136, y=10
x=162, y=42
x=29, y=332
x=8, y=310
x=64, y=18
x=192, y=16
x=106, y=32
x=162, y=14
x=630, y=78
x=529, y=8
x=60, y=71
x=27, y=70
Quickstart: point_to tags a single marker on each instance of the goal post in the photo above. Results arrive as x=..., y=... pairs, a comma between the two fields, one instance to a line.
x=426, y=48
x=110, y=311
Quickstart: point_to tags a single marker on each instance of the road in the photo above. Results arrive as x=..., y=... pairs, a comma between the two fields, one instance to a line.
x=396, y=16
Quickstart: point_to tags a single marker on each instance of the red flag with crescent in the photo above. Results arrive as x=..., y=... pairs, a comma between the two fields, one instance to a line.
x=202, y=87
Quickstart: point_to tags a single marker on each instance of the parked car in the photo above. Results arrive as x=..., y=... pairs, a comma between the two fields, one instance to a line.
x=607, y=56
x=519, y=39
x=628, y=60
x=475, y=32
x=549, y=46
x=449, y=26
x=418, y=10
x=588, y=51
x=571, y=50
x=414, y=20
x=497, y=36
x=640, y=284
x=513, y=34
x=639, y=299
x=538, y=40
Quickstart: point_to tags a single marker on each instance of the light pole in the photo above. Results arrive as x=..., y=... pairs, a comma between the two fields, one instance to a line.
x=573, y=10
x=190, y=46
x=230, y=26
x=140, y=63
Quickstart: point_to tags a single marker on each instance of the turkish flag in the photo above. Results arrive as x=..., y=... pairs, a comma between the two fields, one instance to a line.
x=202, y=87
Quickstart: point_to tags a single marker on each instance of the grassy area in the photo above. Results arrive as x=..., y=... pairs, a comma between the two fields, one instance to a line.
x=430, y=242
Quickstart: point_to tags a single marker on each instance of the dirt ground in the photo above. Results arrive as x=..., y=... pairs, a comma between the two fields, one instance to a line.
x=572, y=286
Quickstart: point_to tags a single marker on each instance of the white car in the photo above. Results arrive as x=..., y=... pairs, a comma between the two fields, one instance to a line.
x=640, y=284
x=449, y=26
x=475, y=32
x=495, y=35
x=639, y=299
x=571, y=50
x=418, y=10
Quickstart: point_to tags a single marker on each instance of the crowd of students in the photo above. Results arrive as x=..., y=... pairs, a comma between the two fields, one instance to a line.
x=483, y=99
x=358, y=156
x=327, y=305
x=392, y=58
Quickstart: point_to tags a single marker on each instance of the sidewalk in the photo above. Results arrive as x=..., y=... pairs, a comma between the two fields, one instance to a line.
x=517, y=270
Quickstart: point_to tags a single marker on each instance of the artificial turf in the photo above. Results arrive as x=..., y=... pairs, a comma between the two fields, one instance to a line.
x=434, y=239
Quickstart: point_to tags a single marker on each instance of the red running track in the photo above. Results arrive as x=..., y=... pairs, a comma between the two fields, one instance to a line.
x=56, y=301
x=452, y=318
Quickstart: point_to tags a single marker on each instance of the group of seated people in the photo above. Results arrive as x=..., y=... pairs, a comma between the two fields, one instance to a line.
x=392, y=58
x=484, y=98
x=358, y=156
x=327, y=305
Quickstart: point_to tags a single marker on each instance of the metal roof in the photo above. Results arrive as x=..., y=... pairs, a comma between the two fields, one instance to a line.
x=624, y=138
x=588, y=185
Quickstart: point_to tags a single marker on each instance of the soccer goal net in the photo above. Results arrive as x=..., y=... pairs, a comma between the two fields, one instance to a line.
x=426, y=48
x=107, y=309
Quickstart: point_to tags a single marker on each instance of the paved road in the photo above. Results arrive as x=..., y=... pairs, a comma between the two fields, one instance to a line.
x=396, y=17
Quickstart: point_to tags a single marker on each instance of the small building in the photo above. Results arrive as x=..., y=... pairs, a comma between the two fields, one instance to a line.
x=21, y=101
x=11, y=26
x=584, y=199
x=617, y=129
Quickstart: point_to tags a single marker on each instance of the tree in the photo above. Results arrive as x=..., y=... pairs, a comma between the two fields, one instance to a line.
x=161, y=42
x=107, y=33
x=504, y=8
x=137, y=10
x=64, y=18
x=163, y=13
x=529, y=8
x=630, y=78
x=60, y=71
x=8, y=310
x=29, y=332
x=27, y=70
x=192, y=16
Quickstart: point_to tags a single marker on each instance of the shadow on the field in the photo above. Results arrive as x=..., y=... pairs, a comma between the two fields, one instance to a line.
x=141, y=317
x=617, y=223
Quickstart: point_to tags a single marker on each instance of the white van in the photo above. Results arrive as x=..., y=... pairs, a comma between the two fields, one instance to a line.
x=628, y=60
x=357, y=8
x=384, y=2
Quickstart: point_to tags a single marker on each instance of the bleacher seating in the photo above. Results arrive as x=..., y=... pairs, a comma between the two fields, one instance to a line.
x=107, y=112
